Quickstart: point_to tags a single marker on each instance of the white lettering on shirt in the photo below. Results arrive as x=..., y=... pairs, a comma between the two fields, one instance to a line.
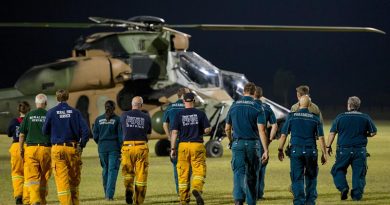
x=37, y=118
x=189, y=120
x=135, y=122
x=248, y=102
x=104, y=122
x=301, y=114
x=64, y=113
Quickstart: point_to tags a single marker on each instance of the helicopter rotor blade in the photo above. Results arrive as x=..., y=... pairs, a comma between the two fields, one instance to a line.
x=224, y=27
x=175, y=31
x=103, y=20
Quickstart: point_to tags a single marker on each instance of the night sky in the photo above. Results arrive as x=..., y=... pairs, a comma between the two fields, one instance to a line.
x=335, y=65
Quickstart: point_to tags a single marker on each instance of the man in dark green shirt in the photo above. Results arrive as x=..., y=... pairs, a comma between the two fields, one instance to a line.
x=106, y=133
x=37, y=151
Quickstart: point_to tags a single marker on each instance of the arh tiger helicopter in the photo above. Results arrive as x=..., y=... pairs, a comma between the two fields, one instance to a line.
x=150, y=59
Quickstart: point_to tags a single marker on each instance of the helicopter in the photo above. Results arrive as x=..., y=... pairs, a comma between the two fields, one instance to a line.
x=149, y=59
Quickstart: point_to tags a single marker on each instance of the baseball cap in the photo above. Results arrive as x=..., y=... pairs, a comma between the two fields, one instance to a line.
x=189, y=97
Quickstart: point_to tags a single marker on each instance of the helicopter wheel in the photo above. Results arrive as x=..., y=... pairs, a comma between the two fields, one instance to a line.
x=162, y=147
x=214, y=149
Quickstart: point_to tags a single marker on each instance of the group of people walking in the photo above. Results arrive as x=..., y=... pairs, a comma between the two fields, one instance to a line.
x=53, y=140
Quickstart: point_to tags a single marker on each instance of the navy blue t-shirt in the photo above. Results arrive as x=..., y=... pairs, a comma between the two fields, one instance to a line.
x=136, y=125
x=304, y=126
x=353, y=128
x=13, y=128
x=65, y=124
x=190, y=124
x=244, y=115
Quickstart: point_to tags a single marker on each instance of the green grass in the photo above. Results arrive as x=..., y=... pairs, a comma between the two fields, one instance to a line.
x=219, y=181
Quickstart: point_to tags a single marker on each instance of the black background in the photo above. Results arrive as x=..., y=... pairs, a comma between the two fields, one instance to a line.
x=335, y=65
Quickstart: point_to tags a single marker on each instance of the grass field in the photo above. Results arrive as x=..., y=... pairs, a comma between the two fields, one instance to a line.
x=219, y=181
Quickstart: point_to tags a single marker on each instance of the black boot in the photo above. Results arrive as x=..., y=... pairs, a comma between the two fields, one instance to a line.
x=19, y=200
x=198, y=197
x=129, y=197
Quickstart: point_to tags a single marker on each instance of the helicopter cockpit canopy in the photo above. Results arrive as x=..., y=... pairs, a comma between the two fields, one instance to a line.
x=198, y=70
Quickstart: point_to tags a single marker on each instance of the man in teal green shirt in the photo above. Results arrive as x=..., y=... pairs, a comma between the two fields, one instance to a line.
x=37, y=151
x=107, y=134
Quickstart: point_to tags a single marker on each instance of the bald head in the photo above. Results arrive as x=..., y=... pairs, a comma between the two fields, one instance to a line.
x=304, y=101
x=137, y=102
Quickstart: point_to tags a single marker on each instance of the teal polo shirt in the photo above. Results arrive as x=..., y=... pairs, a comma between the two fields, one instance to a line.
x=171, y=111
x=268, y=112
x=244, y=115
x=353, y=128
x=304, y=126
x=107, y=134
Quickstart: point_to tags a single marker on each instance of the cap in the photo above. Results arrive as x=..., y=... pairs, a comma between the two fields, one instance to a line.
x=189, y=97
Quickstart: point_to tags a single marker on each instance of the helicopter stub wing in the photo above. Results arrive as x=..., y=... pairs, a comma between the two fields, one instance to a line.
x=225, y=27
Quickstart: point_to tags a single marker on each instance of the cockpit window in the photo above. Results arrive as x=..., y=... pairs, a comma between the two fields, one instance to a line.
x=234, y=83
x=198, y=70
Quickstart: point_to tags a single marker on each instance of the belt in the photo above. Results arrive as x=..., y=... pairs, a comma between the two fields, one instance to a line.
x=39, y=144
x=190, y=142
x=68, y=144
x=15, y=141
x=305, y=146
x=346, y=147
x=133, y=143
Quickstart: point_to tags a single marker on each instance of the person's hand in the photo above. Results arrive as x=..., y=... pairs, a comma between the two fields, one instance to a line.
x=173, y=154
x=264, y=157
x=280, y=154
x=79, y=149
x=230, y=145
x=329, y=150
x=324, y=158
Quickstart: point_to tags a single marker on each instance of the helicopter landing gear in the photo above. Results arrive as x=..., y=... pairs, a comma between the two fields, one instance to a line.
x=214, y=149
x=162, y=147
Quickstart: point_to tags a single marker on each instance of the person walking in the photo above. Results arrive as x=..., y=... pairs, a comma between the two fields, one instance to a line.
x=107, y=133
x=169, y=119
x=305, y=128
x=20, y=191
x=353, y=128
x=69, y=134
x=37, y=152
x=247, y=119
x=189, y=126
x=136, y=126
x=272, y=128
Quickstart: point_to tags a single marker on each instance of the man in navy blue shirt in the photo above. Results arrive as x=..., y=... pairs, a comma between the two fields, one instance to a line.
x=272, y=128
x=136, y=126
x=169, y=119
x=18, y=170
x=247, y=119
x=353, y=129
x=189, y=126
x=305, y=127
x=69, y=133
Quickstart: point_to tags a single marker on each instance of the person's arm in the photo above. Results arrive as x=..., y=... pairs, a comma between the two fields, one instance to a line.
x=11, y=128
x=173, y=144
x=206, y=124
x=21, y=144
x=84, y=132
x=282, y=141
x=228, y=132
x=166, y=130
x=324, y=156
x=274, y=129
x=96, y=131
x=46, y=128
x=330, y=142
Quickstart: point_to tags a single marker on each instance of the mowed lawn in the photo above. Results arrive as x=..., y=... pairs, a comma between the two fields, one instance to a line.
x=219, y=181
